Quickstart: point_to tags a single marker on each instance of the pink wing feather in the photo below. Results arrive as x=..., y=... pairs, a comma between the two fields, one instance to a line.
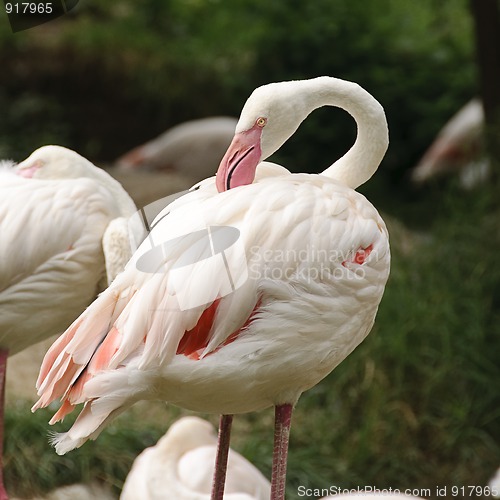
x=95, y=342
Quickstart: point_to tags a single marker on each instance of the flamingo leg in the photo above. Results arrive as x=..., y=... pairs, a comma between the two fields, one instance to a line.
x=3, y=367
x=282, y=422
x=221, y=458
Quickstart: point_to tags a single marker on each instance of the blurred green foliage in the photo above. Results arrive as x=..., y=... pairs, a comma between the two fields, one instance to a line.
x=111, y=75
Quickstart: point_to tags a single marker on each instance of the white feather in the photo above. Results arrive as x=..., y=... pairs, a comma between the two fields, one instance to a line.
x=180, y=467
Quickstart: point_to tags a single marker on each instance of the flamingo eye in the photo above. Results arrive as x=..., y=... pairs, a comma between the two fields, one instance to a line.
x=261, y=122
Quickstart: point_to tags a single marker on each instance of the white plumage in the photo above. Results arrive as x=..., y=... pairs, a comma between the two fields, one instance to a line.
x=316, y=255
x=52, y=226
x=56, y=246
x=494, y=484
x=180, y=467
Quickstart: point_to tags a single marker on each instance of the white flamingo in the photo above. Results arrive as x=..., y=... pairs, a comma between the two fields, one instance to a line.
x=458, y=149
x=195, y=323
x=494, y=484
x=193, y=148
x=58, y=214
x=180, y=467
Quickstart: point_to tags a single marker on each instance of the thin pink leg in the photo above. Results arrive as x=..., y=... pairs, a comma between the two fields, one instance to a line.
x=221, y=459
x=282, y=422
x=3, y=367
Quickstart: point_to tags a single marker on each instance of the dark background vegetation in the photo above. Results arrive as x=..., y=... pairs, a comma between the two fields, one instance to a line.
x=111, y=75
x=418, y=404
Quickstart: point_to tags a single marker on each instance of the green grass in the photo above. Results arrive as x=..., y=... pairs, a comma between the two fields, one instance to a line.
x=417, y=405
x=33, y=467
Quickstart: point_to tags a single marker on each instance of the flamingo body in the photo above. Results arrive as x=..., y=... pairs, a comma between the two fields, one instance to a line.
x=458, y=149
x=52, y=228
x=248, y=290
x=494, y=484
x=299, y=330
x=180, y=467
x=63, y=228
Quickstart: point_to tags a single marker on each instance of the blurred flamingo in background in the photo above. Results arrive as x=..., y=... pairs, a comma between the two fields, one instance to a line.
x=494, y=484
x=458, y=149
x=63, y=230
x=221, y=328
x=193, y=148
x=180, y=467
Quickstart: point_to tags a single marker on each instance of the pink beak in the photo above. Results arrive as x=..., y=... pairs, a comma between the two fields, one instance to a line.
x=237, y=168
x=29, y=172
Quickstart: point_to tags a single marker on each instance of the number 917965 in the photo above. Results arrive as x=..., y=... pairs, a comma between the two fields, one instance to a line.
x=28, y=8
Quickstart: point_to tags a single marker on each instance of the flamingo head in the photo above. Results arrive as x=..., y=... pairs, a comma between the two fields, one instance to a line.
x=54, y=162
x=238, y=165
x=269, y=118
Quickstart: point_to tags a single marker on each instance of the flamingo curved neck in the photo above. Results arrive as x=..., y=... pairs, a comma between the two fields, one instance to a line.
x=364, y=157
